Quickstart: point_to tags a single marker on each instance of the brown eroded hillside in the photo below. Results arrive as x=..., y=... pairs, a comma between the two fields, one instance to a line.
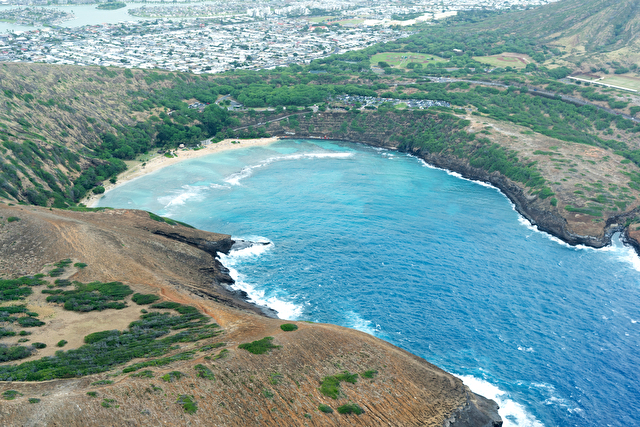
x=215, y=382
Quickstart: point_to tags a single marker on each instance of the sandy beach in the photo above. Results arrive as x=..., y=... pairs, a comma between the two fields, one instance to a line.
x=160, y=161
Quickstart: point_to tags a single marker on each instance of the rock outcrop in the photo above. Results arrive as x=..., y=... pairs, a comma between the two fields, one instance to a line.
x=279, y=388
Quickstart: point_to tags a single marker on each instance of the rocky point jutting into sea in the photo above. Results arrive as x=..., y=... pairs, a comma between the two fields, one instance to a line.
x=179, y=264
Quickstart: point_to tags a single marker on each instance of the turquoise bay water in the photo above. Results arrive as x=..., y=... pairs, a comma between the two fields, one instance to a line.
x=438, y=265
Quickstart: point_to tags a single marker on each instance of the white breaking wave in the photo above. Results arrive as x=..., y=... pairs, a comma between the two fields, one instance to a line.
x=627, y=254
x=180, y=197
x=247, y=171
x=456, y=174
x=363, y=325
x=218, y=186
x=624, y=253
x=285, y=309
x=513, y=414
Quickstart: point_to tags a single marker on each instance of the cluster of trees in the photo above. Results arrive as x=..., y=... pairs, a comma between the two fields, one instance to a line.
x=444, y=134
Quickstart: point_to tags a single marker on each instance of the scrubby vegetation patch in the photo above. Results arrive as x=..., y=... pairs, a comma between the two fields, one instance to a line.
x=325, y=408
x=17, y=289
x=369, y=374
x=10, y=394
x=148, y=337
x=91, y=296
x=288, y=327
x=142, y=299
x=188, y=403
x=262, y=346
x=204, y=372
x=331, y=384
x=350, y=408
x=172, y=376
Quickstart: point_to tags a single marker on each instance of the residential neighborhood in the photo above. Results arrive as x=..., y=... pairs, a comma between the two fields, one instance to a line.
x=215, y=37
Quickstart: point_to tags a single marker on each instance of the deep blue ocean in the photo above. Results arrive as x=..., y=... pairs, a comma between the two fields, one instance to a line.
x=438, y=265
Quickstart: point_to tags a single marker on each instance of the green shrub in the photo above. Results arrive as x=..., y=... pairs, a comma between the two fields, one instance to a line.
x=23, y=333
x=142, y=299
x=13, y=219
x=172, y=376
x=369, y=374
x=34, y=400
x=159, y=362
x=61, y=343
x=92, y=393
x=63, y=263
x=56, y=272
x=331, y=384
x=325, y=408
x=350, y=408
x=102, y=382
x=288, y=327
x=80, y=265
x=39, y=345
x=260, y=346
x=107, y=403
x=204, y=372
x=92, y=296
x=29, y=322
x=188, y=403
x=167, y=220
x=275, y=378
x=62, y=283
x=10, y=394
x=223, y=353
x=6, y=333
x=545, y=192
x=167, y=304
x=267, y=393
x=212, y=346
x=100, y=336
x=147, y=373
x=16, y=289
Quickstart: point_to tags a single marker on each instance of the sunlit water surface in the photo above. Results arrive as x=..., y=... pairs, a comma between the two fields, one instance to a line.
x=438, y=265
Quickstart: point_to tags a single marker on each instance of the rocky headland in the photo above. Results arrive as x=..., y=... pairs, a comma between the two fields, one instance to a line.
x=178, y=264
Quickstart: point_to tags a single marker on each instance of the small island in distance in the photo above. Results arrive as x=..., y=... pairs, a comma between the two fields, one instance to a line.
x=111, y=5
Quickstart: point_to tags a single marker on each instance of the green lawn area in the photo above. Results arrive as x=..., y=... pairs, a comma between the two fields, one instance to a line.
x=504, y=60
x=354, y=21
x=334, y=20
x=629, y=82
x=401, y=59
x=318, y=19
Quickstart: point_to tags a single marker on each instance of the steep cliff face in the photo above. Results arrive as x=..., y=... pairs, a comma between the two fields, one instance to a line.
x=570, y=227
x=239, y=388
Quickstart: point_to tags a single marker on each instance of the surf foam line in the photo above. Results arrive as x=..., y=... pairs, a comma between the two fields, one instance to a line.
x=629, y=256
x=180, y=197
x=285, y=309
x=513, y=413
x=247, y=171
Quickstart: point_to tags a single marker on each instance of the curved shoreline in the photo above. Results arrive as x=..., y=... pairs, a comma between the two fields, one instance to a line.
x=159, y=161
x=544, y=220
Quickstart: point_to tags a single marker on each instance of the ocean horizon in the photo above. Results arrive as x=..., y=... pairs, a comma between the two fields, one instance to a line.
x=436, y=264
